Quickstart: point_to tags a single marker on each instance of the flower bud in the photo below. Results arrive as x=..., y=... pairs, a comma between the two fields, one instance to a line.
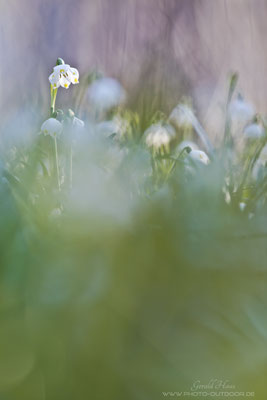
x=70, y=113
x=60, y=61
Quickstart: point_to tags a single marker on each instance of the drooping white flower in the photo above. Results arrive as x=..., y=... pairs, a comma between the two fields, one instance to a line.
x=253, y=131
x=123, y=127
x=51, y=127
x=77, y=123
x=199, y=156
x=159, y=136
x=118, y=126
x=187, y=143
x=63, y=75
x=106, y=93
x=181, y=117
x=241, y=110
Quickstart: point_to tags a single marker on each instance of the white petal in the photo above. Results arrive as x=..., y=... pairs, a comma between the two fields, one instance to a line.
x=74, y=75
x=61, y=69
x=64, y=82
x=54, y=80
x=77, y=123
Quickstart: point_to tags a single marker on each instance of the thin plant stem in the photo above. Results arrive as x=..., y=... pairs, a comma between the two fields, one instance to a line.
x=53, y=94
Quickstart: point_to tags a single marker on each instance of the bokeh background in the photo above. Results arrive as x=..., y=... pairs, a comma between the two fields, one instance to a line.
x=163, y=49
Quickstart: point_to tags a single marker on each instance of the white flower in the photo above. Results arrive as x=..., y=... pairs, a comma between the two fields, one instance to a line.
x=253, y=131
x=187, y=143
x=123, y=127
x=181, y=117
x=240, y=110
x=106, y=93
x=242, y=206
x=63, y=75
x=77, y=123
x=118, y=126
x=199, y=156
x=159, y=136
x=51, y=127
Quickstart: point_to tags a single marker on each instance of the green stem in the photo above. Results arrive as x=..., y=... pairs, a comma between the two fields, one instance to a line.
x=53, y=94
x=57, y=165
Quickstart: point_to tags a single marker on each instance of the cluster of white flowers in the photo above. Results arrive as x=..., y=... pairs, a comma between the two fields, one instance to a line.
x=107, y=93
x=159, y=136
x=63, y=75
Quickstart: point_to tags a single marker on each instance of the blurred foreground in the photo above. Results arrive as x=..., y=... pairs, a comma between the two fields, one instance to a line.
x=144, y=273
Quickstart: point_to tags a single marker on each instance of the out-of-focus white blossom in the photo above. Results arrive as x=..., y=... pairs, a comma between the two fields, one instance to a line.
x=51, y=127
x=63, y=75
x=77, y=123
x=181, y=117
x=123, y=127
x=241, y=110
x=119, y=126
x=106, y=128
x=242, y=206
x=106, y=93
x=253, y=131
x=159, y=136
x=199, y=156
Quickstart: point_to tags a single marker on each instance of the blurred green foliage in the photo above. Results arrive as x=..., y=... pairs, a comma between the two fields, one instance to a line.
x=138, y=279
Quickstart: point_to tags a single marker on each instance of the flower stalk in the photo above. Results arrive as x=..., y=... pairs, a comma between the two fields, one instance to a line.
x=53, y=93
